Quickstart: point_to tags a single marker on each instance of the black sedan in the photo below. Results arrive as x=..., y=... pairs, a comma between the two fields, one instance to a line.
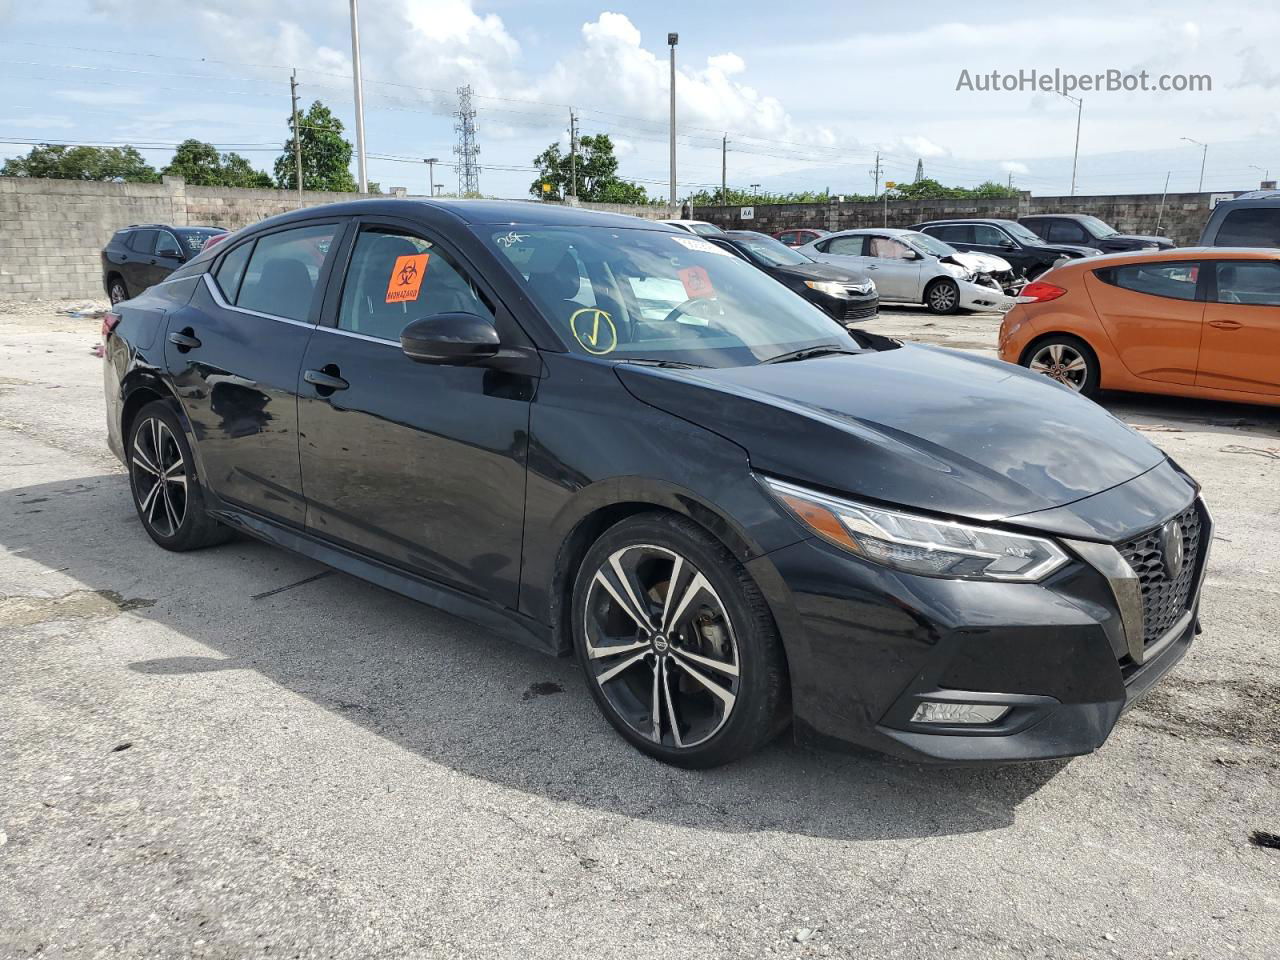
x=1026, y=253
x=609, y=439
x=1076, y=228
x=848, y=295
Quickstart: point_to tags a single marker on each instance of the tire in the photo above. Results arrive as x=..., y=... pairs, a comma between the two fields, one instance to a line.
x=116, y=290
x=710, y=660
x=1067, y=359
x=166, y=491
x=942, y=296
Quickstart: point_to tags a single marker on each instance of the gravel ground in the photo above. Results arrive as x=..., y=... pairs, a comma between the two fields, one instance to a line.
x=236, y=753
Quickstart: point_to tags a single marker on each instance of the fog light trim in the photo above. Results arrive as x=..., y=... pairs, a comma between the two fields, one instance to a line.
x=934, y=711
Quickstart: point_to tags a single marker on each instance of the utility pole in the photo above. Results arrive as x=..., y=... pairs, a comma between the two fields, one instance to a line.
x=1164, y=193
x=672, y=40
x=724, y=169
x=1266, y=174
x=573, y=153
x=875, y=176
x=431, y=173
x=1203, y=156
x=297, y=132
x=359, y=87
x=1079, y=102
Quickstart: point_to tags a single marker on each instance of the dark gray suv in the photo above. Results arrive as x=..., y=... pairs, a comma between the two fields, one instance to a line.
x=145, y=253
x=1250, y=220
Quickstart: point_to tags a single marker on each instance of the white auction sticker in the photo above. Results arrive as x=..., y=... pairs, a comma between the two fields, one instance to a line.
x=701, y=246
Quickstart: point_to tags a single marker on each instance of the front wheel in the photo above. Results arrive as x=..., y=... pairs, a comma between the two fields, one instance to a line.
x=1066, y=359
x=678, y=646
x=942, y=296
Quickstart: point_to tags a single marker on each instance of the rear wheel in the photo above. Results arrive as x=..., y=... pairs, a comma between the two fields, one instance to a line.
x=678, y=646
x=1067, y=359
x=942, y=296
x=166, y=490
x=116, y=290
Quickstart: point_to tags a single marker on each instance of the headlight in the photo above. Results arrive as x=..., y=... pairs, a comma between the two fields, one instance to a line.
x=957, y=271
x=830, y=287
x=918, y=544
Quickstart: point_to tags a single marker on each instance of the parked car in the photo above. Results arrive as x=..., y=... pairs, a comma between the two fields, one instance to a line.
x=1026, y=253
x=145, y=253
x=911, y=267
x=610, y=439
x=1195, y=322
x=846, y=294
x=1078, y=229
x=796, y=238
x=700, y=227
x=1250, y=220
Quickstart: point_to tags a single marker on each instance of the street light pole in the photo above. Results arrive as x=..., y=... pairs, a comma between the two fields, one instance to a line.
x=1266, y=174
x=1075, y=157
x=431, y=172
x=359, y=89
x=1204, y=154
x=672, y=40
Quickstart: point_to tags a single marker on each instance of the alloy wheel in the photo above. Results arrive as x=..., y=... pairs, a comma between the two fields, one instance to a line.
x=1063, y=363
x=159, y=476
x=117, y=292
x=943, y=297
x=660, y=646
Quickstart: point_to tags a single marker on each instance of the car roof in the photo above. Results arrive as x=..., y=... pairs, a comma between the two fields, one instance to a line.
x=884, y=231
x=706, y=223
x=995, y=220
x=471, y=212
x=1173, y=255
x=1272, y=196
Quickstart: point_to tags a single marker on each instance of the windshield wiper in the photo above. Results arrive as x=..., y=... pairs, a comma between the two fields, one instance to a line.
x=676, y=364
x=807, y=352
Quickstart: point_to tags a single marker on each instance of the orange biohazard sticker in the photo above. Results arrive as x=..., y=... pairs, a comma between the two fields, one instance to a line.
x=406, y=277
x=696, y=283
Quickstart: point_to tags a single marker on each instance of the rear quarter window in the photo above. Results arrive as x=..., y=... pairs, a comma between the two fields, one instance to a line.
x=1175, y=281
x=1250, y=227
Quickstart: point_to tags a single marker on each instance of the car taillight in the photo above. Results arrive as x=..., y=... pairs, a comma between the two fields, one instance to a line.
x=109, y=322
x=1040, y=292
x=214, y=239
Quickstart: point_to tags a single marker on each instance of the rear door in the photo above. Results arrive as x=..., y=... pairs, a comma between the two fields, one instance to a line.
x=233, y=354
x=842, y=250
x=1153, y=312
x=421, y=465
x=136, y=270
x=1241, y=345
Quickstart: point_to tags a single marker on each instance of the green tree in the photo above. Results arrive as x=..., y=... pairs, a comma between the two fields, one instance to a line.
x=200, y=164
x=326, y=154
x=596, y=173
x=59, y=162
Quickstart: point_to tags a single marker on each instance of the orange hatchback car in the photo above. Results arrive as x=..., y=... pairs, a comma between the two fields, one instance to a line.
x=1197, y=322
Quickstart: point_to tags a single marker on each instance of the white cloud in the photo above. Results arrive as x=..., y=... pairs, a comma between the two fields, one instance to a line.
x=39, y=121
x=1014, y=166
x=923, y=147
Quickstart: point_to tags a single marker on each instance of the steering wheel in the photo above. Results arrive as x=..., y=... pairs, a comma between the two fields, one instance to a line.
x=687, y=308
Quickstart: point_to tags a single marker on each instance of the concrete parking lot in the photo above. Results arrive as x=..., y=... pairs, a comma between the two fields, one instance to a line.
x=238, y=753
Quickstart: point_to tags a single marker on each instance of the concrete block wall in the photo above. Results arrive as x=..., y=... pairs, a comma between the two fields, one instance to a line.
x=1182, y=217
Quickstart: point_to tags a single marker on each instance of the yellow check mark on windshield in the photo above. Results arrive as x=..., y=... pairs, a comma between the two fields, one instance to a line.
x=601, y=337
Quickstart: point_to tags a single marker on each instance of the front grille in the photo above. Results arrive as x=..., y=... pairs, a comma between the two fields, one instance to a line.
x=1164, y=598
x=860, y=311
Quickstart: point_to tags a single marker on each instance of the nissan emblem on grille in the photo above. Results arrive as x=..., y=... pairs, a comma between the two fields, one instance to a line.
x=1171, y=545
x=1164, y=559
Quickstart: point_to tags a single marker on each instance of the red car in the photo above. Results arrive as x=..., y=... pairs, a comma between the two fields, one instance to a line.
x=794, y=238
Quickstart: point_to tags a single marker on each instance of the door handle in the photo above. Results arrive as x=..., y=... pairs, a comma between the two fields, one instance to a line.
x=1226, y=324
x=152, y=260
x=184, y=340
x=325, y=380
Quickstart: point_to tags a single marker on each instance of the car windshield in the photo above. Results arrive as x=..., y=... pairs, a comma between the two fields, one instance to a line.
x=705, y=229
x=922, y=241
x=1098, y=228
x=770, y=252
x=1023, y=234
x=194, y=238
x=631, y=294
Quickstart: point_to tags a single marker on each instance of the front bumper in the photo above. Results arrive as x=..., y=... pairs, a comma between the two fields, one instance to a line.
x=979, y=296
x=867, y=645
x=846, y=310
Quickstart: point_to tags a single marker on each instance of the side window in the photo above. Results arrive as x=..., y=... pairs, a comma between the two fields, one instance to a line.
x=231, y=271
x=1256, y=227
x=1066, y=231
x=167, y=245
x=843, y=246
x=142, y=241
x=952, y=233
x=1035, y=225
x=282, y=272
x=1255, y=282
x=987, y=235
x=790, y=239
x=395, y=278
x=886, y=248
x=1177, y=281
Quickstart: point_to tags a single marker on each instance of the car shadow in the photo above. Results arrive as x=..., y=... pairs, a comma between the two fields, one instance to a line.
x=1158, y=413
x=456, y=695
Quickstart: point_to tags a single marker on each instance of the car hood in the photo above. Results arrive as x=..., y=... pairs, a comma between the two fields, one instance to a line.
x=1139, y=238
x=823, y=271
x=978, y=262
x=918, y=426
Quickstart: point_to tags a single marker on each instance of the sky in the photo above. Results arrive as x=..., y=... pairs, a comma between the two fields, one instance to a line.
x=807, y=94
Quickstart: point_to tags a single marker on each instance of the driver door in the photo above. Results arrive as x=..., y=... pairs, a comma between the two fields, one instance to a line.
x=419, y=465
x=894, y=267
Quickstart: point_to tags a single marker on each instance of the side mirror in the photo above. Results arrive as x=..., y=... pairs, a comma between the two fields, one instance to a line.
x=914, y=255
x=450, y=338
x=1007, y=244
